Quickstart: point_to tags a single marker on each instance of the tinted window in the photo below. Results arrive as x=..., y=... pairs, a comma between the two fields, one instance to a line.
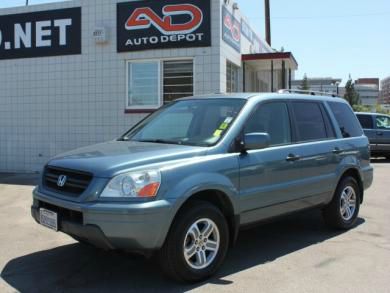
x=365, y=121
x=383, y=122
x=309, y=121
x=348, y=123
x=271, y=118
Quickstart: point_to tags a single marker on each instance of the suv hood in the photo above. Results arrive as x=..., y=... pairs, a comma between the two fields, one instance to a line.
x=111, y=158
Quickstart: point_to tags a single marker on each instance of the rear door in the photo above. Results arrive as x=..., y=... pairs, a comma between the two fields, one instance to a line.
x=382, y=124
x=368, y=124
x=318, y=150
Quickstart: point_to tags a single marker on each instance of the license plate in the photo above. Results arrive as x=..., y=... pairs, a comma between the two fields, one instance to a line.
x=48, y=219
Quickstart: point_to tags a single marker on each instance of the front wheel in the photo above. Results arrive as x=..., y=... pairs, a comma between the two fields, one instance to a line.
x=196, y=244
x=343, y=210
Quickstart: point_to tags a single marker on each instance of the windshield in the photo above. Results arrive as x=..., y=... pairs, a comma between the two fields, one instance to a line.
x=200, y=122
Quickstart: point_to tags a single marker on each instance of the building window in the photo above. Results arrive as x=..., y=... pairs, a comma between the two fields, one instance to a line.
x=232, y=72
x=178, y=79
x=152, y=83
x=143, y=85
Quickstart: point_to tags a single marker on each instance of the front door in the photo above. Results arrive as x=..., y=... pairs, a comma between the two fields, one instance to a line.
x=266, y=175
x=383, y=133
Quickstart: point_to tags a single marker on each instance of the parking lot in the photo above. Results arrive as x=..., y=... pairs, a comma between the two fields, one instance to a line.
x=294, y=254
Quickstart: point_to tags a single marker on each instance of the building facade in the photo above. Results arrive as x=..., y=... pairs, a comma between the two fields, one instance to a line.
x=368, y=90
x=80, y=72
x=322, y=84
x=385, y=91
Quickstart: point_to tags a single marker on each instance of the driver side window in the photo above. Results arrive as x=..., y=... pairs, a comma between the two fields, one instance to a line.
x=272, y=118
x=383, y=122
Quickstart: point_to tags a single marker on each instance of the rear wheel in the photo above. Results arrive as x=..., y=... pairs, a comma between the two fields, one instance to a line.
x=196, y=244
x=343, y=210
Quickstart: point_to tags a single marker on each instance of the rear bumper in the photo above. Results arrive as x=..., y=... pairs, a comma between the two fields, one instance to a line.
x=131, y=227
x=368, y=176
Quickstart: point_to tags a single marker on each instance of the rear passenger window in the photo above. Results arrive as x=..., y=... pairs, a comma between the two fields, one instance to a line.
x=348, y=123
x=309, y=121
x=271, y=118
x=365, y=121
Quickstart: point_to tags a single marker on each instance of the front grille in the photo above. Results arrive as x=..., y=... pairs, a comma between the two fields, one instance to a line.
x=76, y=181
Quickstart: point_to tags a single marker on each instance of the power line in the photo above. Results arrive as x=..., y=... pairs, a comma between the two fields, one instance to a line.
x=326, y=16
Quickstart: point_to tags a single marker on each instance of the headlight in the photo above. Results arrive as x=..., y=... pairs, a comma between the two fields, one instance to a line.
x=133, y=184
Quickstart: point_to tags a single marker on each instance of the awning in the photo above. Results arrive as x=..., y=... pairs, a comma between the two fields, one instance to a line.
x=261, y=60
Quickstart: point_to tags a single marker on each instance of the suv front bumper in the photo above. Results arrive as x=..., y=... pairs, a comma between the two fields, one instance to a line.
x=140, y=226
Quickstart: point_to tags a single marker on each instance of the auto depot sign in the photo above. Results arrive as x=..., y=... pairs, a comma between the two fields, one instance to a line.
x=143, y=25
x=40, y=34
x=231, y=30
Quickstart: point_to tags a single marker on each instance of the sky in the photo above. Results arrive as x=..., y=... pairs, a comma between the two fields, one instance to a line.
x=329, y=38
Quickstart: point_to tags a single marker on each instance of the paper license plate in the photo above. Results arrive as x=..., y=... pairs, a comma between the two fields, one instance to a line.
x=48, y=219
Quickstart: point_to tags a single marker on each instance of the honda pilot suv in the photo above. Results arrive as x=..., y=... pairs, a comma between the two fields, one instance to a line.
x=183, y=181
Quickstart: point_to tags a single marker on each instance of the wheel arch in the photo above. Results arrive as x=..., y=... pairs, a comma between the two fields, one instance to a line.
x=354, y=173
x=220, y=200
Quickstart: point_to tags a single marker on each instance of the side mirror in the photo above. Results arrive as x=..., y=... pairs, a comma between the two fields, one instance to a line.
x=256, y=141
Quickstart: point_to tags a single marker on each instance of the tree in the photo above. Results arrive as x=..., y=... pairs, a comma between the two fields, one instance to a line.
x=305, y=84
x=351, y=95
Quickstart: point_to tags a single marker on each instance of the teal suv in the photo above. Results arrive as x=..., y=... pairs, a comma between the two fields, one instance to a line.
x=184, y=180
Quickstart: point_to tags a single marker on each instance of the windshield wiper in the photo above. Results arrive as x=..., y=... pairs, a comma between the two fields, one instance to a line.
x=165, y=141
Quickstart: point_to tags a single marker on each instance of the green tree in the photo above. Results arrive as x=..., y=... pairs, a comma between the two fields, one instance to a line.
x=305, y=84
x=351, y=95
x=361, y=108
x=381, y=110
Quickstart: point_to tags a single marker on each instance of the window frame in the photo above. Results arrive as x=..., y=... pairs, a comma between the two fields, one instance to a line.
x=376, y=124
x=296, y=138
x=128, y=68
x=163, y=78
x=372, y=118
x=336, y=122
x=232, y=66
x=260, y=104
x=160, y=61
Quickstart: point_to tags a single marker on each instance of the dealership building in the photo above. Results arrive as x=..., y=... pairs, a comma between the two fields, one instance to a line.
x=80, y=72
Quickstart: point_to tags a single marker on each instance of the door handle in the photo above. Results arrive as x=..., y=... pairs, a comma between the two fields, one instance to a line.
x=292, y=158
x=337, y=151
x=379, y=133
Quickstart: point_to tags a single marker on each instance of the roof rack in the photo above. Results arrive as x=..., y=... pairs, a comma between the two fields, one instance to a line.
x=313, y=93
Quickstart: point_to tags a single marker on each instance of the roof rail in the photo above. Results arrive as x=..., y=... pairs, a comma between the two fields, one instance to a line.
x=313, y=93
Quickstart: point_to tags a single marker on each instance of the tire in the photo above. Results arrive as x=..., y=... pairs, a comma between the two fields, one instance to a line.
x=204, y=262
x=338, y=215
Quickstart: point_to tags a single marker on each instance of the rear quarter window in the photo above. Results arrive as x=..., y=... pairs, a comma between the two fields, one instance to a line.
x=346, y=119
x=365, y=121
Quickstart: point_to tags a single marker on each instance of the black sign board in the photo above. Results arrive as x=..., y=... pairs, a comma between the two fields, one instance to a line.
x=40, y=34
x=151, y=24
x=231, y=30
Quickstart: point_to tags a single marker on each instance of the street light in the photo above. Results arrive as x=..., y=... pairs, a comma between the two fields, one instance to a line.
x=26, y=2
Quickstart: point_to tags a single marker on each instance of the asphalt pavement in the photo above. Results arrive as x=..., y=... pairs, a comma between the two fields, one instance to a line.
x=297, y=253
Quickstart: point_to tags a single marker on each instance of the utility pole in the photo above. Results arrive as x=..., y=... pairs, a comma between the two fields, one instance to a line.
x=268, y=36
x=26, y=2
x=267, y=22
